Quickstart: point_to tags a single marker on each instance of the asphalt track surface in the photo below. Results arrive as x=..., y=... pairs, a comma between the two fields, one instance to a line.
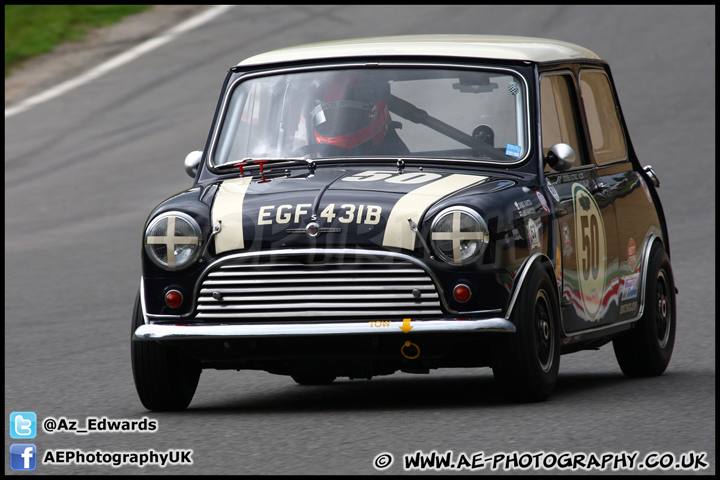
x=83, y=171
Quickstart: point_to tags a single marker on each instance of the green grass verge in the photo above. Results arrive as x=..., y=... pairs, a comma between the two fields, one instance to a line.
x=32, y=30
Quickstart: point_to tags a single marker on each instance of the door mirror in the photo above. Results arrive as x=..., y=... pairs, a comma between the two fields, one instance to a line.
x=192, y=161
x=560, y=157
x=652, y=175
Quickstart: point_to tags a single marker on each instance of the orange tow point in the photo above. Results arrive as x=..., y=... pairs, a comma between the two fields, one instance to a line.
x=406, y=325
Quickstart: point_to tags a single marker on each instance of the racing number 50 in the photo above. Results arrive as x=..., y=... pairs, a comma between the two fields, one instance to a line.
x=392, y=177
x=591, y=252
x=590, y=246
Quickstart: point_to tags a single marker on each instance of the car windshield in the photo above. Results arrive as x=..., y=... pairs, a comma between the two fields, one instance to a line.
x=478, y=114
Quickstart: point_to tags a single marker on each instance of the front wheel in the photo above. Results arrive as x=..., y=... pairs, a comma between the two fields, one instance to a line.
x=526, y=363
x=165, y=378
x=645, y=350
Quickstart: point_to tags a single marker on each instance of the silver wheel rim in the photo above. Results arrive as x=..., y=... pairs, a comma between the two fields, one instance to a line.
x=544, y=331
x=663, y=309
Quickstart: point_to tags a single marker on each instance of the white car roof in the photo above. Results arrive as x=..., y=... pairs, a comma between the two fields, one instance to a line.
x=471, y=46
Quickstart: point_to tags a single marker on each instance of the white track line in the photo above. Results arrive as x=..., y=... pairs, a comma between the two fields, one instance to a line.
x=119, y=60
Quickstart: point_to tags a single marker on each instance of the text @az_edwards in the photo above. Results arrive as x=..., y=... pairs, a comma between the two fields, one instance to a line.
x=99, y=424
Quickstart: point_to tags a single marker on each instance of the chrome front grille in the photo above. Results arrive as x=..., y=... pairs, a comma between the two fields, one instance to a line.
x=294, y=287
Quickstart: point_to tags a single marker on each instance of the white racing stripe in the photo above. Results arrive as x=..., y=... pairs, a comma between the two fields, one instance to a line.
x=119, y=60
x=228, y=208
x=397, y=232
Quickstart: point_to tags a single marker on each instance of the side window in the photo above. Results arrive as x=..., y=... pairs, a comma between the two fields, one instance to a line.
x=558, y=117
x=606, y=134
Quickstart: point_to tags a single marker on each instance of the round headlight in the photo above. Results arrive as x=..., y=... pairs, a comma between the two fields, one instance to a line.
x=172, y=240
x=459, y=235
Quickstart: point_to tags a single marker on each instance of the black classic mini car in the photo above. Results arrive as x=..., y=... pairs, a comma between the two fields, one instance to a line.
x=405, y=204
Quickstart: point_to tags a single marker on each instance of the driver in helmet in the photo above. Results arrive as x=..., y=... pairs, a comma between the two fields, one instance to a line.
x=359, y=125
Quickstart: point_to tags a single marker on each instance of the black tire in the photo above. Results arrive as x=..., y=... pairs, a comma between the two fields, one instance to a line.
x=646, y=349
x=526, y=363
x=165, y=378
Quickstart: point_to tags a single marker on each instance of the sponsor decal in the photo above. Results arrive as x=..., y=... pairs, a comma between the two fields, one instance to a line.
x=558, y=266
x=628, y=307
x=522, y=204
x=631, y=255
x=553, y=192
x=630, y=286
x=524, y=207
x=573, y=177
x=513, y=150
x=567, y=240
x=533, y=232
x=544, y=204
x=591, y=250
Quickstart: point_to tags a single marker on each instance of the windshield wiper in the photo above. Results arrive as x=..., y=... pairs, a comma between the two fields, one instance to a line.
x=259, y=163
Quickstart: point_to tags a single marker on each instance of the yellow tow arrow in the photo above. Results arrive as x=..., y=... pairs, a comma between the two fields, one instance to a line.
x=406, y=325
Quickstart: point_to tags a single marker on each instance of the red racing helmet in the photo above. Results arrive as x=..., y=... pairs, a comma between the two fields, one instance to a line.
x=339, y=119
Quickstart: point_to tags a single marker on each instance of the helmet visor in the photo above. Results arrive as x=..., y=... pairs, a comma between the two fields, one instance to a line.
x=332, y=119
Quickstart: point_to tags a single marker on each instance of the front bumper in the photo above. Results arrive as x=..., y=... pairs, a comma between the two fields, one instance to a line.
x=197, y=332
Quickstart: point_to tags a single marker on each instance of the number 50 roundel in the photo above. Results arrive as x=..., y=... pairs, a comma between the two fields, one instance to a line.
x=591, y=251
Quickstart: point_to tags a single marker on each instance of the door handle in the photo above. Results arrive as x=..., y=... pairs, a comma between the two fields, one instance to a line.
x=599, y=188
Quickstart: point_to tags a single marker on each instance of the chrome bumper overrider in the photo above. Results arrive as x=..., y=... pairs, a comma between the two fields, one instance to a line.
x=198, y=332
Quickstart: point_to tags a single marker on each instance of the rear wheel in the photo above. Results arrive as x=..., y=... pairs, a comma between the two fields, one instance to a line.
x=526, y=363
x=645, y=350
x=165, y=378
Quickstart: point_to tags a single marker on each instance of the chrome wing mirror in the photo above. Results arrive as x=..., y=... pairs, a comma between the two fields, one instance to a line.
x=560, y=157
x=192, y=161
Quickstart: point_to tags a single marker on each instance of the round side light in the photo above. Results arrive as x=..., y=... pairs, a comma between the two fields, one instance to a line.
x=462, y=293
x=173, y=298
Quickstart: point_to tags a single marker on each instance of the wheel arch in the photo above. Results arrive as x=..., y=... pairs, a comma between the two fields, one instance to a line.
x=536, y=260
x=653, y=239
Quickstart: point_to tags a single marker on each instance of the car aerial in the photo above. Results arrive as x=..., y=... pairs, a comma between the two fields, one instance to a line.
x=408, y=203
